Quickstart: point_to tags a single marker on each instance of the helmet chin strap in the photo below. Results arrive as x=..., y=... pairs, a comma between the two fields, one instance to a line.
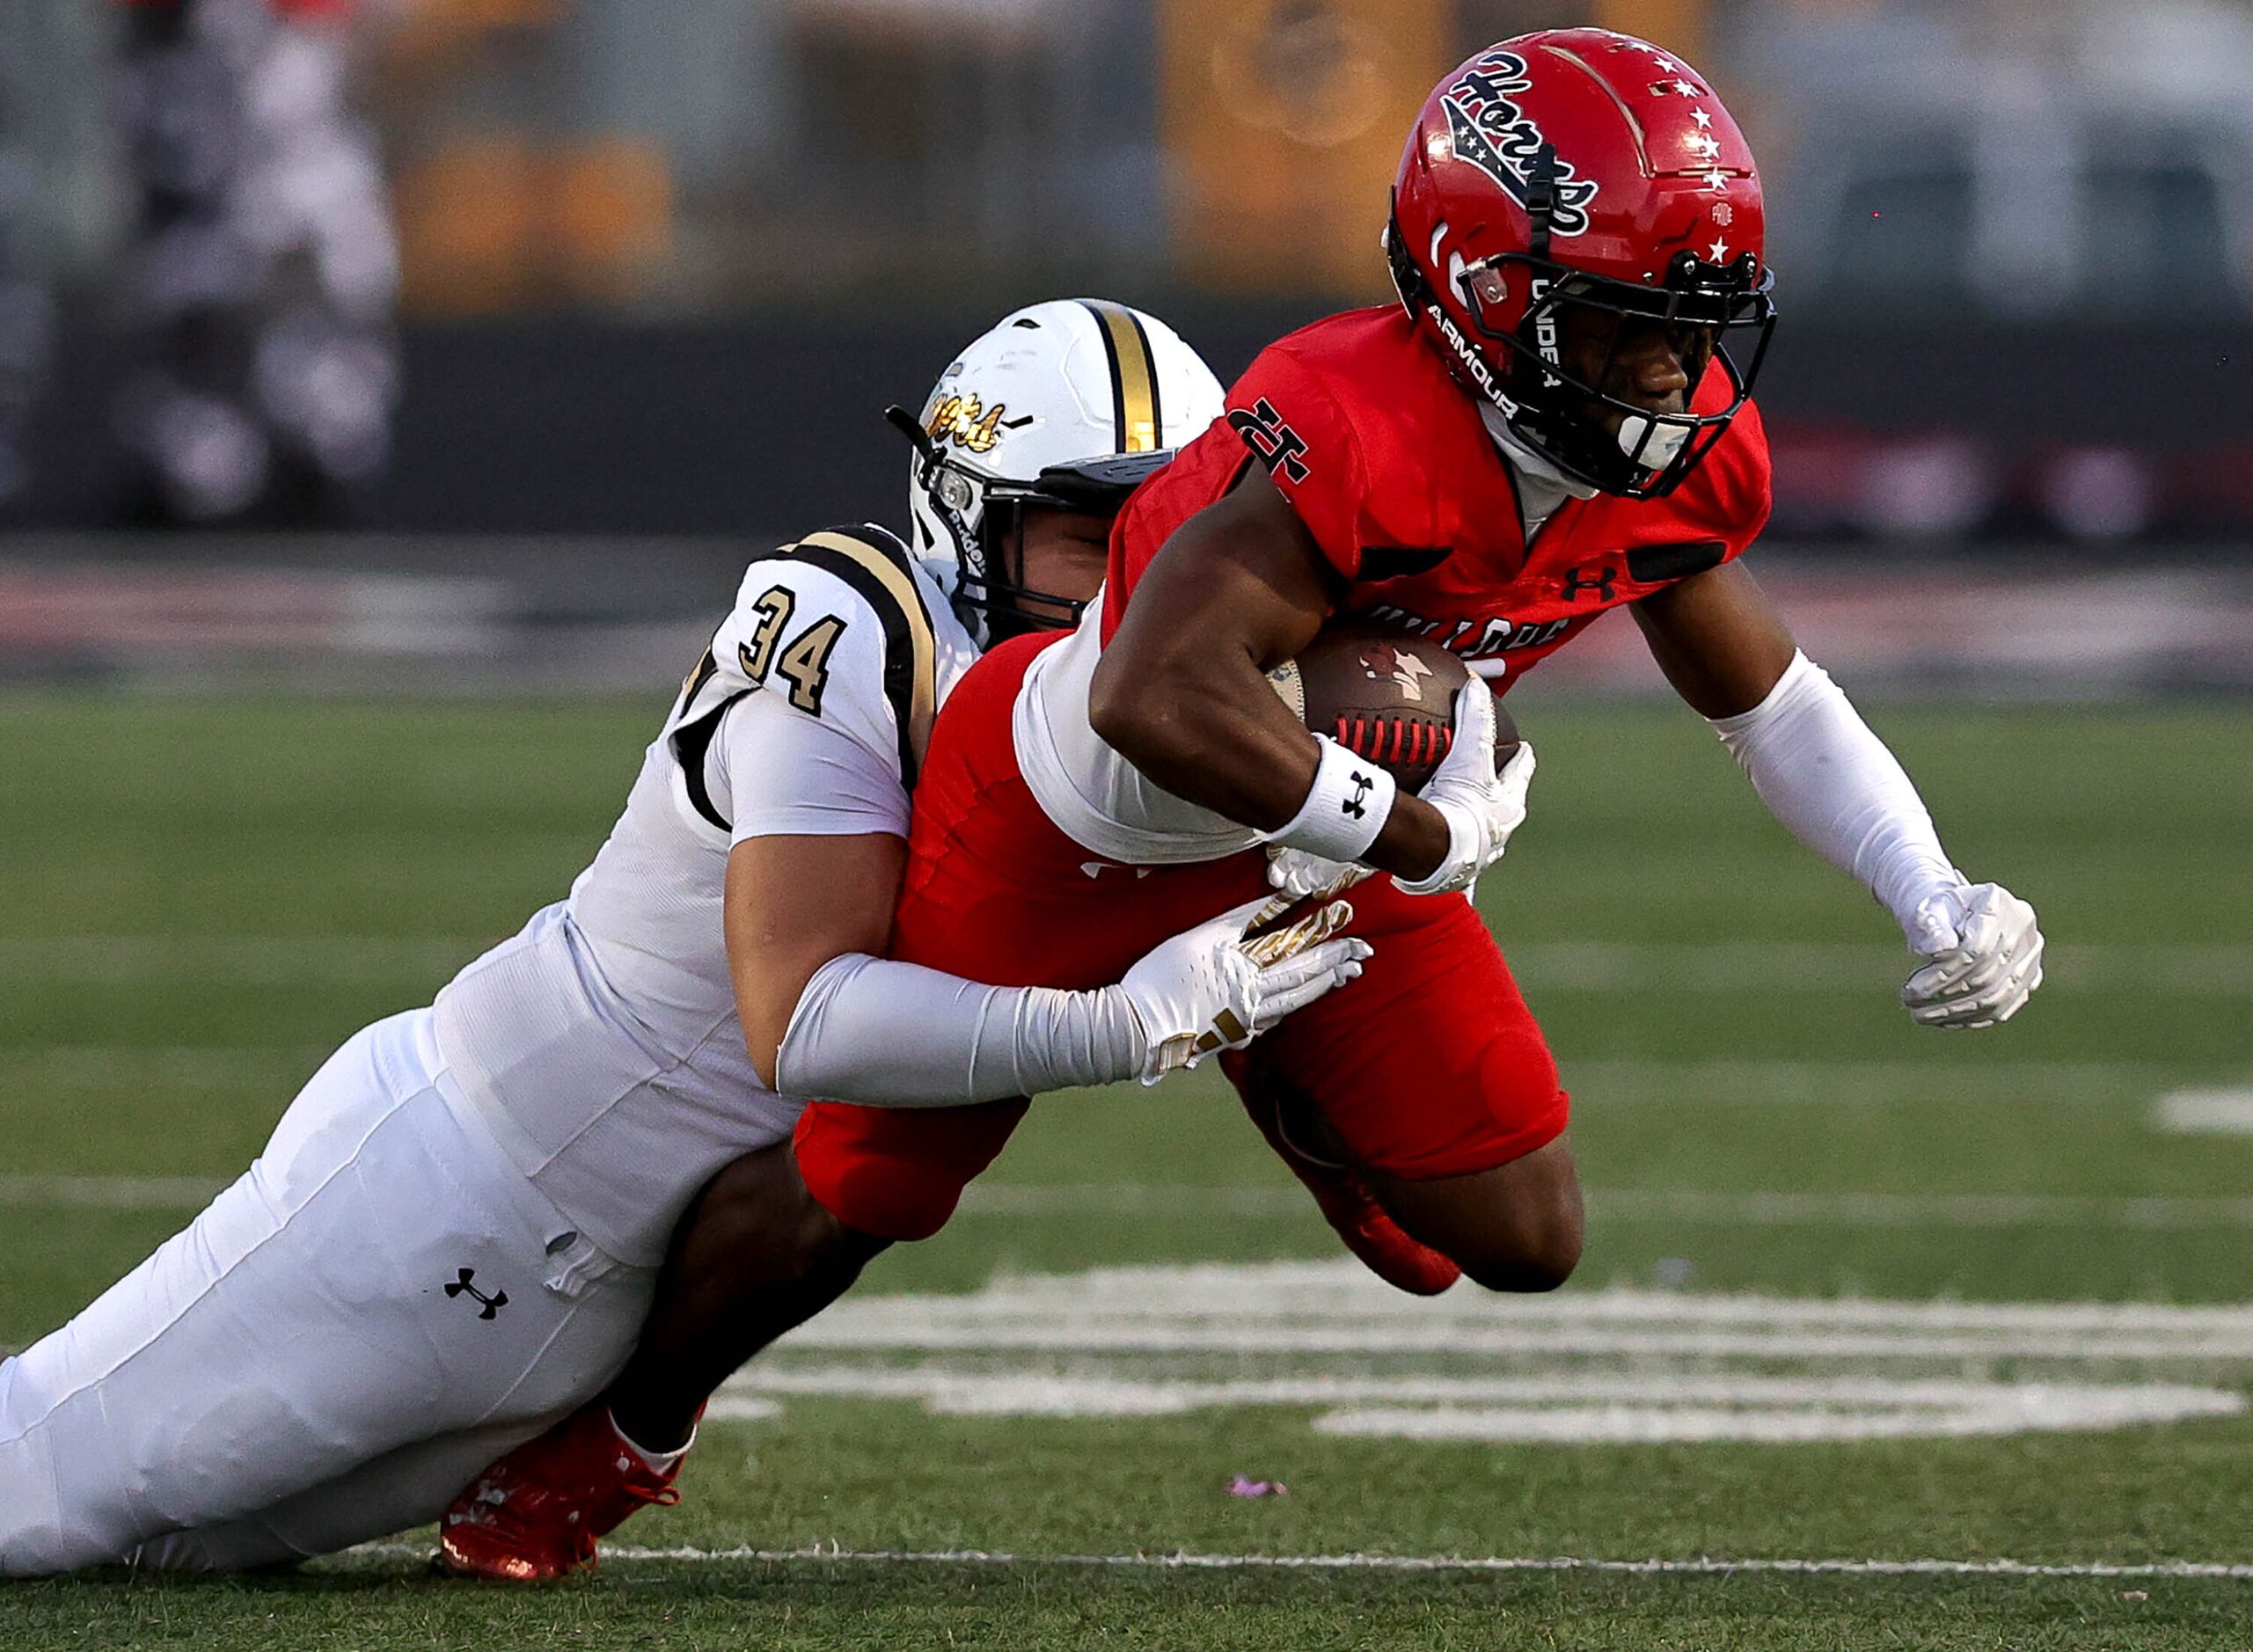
x=1541, y=199
x=907, y=424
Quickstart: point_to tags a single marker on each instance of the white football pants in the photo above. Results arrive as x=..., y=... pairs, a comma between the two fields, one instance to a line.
x=378, y=1309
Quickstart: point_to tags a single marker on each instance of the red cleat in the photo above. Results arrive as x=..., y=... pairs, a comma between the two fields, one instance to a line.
x=534, y=1516
x=1349, y=1207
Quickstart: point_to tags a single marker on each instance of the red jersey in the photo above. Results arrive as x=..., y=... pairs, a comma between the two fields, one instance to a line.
x=1387, y=463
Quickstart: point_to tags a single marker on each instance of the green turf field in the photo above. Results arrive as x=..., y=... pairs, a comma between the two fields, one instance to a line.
x=1809, y=1327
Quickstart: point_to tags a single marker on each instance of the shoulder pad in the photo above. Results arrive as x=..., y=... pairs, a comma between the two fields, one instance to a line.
x=829, y=622
x=883, y=573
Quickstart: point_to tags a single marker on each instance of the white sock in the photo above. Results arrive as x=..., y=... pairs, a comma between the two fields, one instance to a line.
x=657, y=1462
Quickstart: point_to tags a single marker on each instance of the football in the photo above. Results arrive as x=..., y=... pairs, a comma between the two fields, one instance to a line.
x=1385, y=697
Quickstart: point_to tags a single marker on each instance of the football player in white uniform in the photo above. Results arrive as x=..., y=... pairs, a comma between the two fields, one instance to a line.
x=452, y=1238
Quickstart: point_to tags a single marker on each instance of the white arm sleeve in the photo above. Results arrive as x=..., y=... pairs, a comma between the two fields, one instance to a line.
x=886, y=1034
x=1832, y=783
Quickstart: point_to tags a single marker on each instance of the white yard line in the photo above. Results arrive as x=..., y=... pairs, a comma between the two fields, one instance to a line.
x=233, y=960
x=1668, y=1405
x=2204, y=1112
x=1909, y=1209
x=159, y=1066
x=1016, y=1202
x=1732, y=968
x=1004, y=1201
x=1336, y=1307
x=106, y=1193
x=1777, y=1081
x=1697, y=1566
x=1818, y=1082
x=1616, y=1365
x=1719, y=967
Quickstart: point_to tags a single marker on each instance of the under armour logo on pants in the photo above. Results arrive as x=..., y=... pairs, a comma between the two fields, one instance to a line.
x=493, y=1304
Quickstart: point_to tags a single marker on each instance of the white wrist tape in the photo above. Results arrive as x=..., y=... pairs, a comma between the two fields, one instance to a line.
x=1345, y=808
x=1836, y=787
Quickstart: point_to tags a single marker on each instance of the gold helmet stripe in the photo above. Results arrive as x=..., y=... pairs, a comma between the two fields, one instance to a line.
x=1135, y=411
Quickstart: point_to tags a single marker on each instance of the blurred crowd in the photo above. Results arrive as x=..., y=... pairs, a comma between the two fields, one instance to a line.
x=252, y=270
x=248, y=195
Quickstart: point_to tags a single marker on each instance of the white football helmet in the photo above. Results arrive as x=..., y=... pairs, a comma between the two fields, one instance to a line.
x=1066, y=405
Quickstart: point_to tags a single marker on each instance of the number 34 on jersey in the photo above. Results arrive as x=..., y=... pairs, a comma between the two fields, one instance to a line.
x=846, y=628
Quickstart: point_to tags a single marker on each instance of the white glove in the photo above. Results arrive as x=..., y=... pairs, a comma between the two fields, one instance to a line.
x=1984, y=953
x=1210, y=988
x=1299, y=873
x=1481, y=808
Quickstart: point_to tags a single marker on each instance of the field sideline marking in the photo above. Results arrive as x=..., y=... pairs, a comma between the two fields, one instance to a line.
x=1781, y=1080
x=1799, y=1080
x=1005, y=1200
x=1753, y=1208
x=173, y=1066
x=1696, y=1566
x=2204, y=1112
x=1296, y=1310
x=1665, y=1406
x=106, y=1193
x=2199, y=969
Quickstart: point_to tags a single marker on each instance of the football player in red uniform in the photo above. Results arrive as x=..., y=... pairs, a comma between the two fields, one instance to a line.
x=1553, y=422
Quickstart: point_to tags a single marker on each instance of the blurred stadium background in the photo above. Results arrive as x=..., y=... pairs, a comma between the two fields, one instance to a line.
x=525, y=293
x=369, y=365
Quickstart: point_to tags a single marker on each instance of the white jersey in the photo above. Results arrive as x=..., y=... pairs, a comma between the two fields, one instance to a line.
x=601, y=1045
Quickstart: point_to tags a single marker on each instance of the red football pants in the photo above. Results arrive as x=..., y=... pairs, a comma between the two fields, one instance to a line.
x=1429, y=1065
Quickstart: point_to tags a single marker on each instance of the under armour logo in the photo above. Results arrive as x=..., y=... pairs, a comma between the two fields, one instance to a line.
x=1590, y=579
x=462, y=1287
x=1354, y=806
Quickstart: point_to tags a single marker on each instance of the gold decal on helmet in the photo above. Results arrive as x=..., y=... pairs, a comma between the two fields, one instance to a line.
x=964, y=421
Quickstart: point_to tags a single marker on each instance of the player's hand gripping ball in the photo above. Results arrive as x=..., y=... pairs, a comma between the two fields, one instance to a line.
x=1392, y=700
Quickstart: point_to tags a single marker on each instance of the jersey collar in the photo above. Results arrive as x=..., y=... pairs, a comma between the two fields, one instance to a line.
x=1542, y=489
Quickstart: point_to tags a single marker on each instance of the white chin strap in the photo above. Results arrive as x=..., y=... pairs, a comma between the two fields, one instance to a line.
x=1648, y=443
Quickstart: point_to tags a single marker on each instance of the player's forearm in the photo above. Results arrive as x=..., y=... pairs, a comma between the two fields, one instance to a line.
x=1835, y=785
x=885, y=1033
x=1227, y=742
x=1218, y=737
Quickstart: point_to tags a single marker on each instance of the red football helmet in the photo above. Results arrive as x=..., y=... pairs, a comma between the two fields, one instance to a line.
x=1578, y=185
